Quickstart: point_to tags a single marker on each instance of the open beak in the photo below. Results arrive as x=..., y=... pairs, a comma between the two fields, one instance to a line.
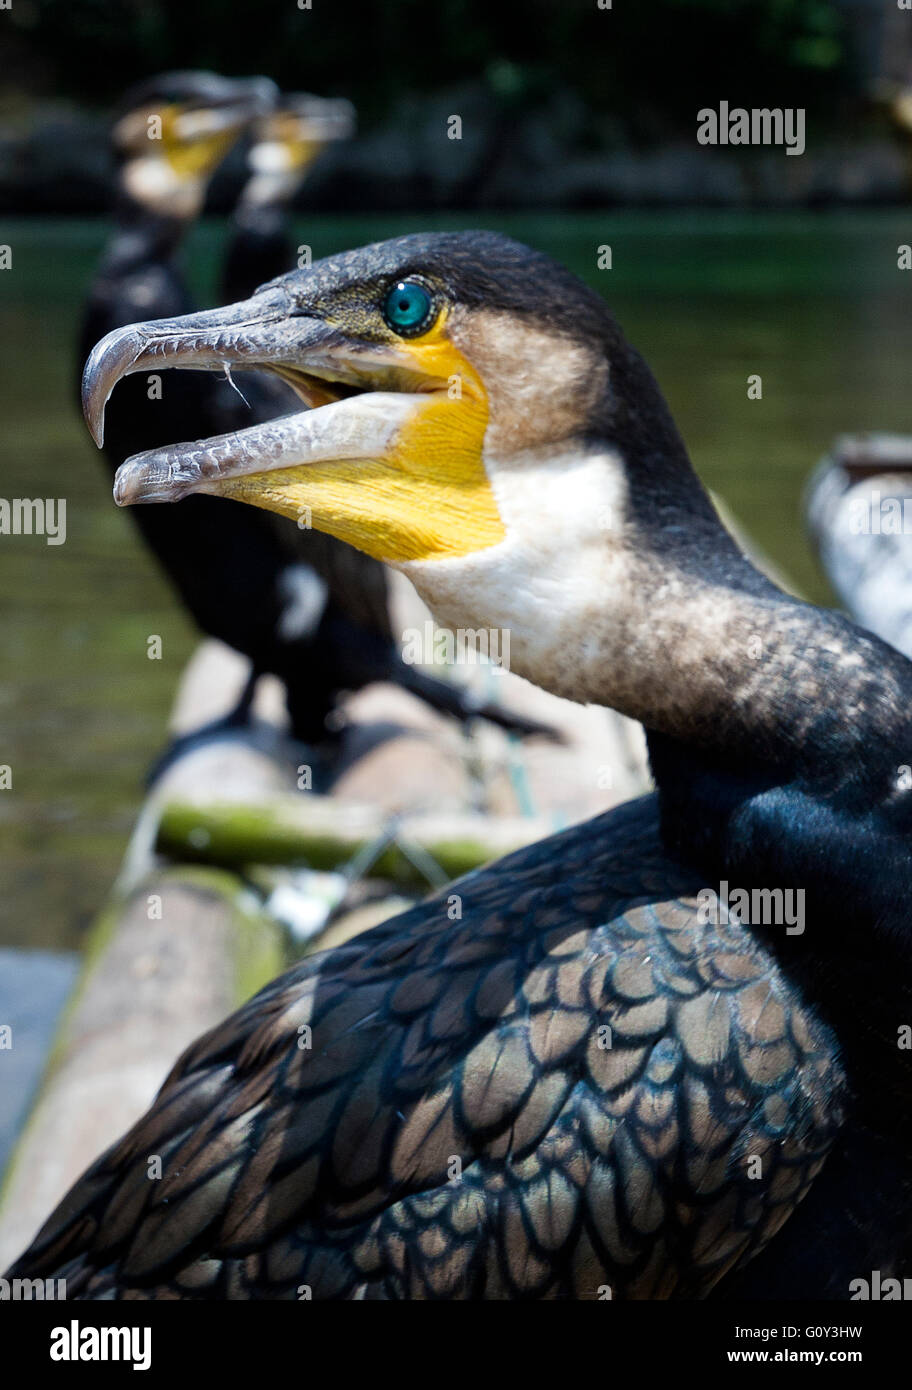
x=346, y=417
x=381, y=456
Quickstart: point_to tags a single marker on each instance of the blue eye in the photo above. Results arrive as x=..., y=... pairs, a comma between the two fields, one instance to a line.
x=408, y=308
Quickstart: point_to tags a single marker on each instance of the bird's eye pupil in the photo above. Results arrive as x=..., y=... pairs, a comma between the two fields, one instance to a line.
x=408, y=307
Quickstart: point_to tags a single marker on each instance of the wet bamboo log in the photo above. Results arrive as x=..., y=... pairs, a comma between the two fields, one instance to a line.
x=327, y=835
x=175, y=949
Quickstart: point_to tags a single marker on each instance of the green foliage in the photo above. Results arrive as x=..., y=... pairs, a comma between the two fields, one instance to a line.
x=646, y=64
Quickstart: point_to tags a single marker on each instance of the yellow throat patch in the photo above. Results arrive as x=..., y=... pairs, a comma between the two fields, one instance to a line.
x=430, y=497
x=196, y=156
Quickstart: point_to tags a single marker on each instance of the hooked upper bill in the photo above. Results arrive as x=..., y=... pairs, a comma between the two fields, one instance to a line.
x=208, y=341
x=270, y=333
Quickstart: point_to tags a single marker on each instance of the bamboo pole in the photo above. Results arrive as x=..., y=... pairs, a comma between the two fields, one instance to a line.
x=325, y=835
x=175, y=950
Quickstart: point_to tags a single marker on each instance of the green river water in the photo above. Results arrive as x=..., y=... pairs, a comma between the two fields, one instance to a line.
x=814, y=303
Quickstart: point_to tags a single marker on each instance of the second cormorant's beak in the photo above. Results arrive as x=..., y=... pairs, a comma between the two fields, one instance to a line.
x=291, y=137
x=355, y=462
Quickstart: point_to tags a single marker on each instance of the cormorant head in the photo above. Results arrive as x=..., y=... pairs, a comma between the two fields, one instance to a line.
x=288, y=140
x=475, y=418
x=174, y=130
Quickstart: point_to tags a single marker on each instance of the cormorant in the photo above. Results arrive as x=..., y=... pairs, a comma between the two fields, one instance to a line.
x=284, y=146
x=660, y=1054
x=298, y=604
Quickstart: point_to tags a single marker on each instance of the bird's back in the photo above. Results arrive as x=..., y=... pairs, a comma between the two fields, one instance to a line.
x=547, y=1081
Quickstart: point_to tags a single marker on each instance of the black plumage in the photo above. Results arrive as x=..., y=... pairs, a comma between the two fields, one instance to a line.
x=460, y=1128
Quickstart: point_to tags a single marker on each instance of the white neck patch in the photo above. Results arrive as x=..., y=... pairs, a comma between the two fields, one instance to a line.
x=552, y=583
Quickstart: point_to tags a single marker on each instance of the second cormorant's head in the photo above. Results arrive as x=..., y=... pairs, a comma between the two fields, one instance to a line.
x=475, y=417
x=174, y=130
x=286, y=143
